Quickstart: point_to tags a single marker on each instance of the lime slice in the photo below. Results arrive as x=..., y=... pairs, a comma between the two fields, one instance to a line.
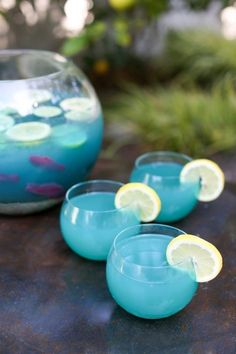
x=33, y=96
x=2, y=138
x=8, y=111
x=74, y=141
x=211, y=175
x=142, y=196
x=3, y=141
x=77, y=104
x=69, y=136
x=61, y=130
x=6, y=122
x=28, y=132
x=78, y=116
x=47, y=111
x=40, y=96
x=206, y=258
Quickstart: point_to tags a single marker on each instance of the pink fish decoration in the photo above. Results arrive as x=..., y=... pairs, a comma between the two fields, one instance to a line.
x=47, y=162
x=50, y=190
x=9, y=178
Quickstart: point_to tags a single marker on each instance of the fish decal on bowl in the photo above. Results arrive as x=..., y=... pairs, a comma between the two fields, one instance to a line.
x=49, y=190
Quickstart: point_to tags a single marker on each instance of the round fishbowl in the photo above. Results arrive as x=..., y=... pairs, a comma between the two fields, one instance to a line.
x=51, y=129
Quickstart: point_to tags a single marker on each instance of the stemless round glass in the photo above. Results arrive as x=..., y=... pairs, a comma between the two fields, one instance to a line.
x=139, y=277
x=89, y=219
x=161, y=171
x=50, y=129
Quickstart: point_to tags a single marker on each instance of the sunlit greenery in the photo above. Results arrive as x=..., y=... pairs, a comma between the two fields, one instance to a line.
x=189, y=104
x=192, y=121
x=199, y=56
x=116, y=26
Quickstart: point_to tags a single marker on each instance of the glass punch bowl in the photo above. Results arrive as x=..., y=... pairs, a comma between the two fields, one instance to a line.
x=50, y=129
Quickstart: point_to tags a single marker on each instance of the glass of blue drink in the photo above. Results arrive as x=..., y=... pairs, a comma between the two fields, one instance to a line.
x=50, y=129
x=89, y=219
x=161, y=171
x=140, y=279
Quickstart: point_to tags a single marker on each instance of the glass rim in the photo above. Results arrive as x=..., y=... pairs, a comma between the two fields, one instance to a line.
x=161, y=153
x=155, y=225
x=59, y=61
x=94, y=182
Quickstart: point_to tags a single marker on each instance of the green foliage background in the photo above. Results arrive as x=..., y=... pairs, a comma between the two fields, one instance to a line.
x=115, y=30
x=194, y=111
x=193, y=121
x=188, y=102
x=199, y=56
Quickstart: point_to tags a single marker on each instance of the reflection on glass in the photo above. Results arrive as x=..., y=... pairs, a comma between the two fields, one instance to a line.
x=161, y=171
x=90, y=221
x=139, y=277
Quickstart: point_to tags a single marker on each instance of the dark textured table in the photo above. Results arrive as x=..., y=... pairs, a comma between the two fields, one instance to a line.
x=52, y=301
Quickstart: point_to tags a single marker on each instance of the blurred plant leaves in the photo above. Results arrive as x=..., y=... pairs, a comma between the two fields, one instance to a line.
x=74, y=45
x=202, y=4
x=96, y=30
x=198, y=56
x=89, y=35
x=122, y=35
x=154, y=7
x=193, y=121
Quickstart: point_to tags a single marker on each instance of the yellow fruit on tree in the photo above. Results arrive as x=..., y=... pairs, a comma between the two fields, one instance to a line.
x=121, y=5
x=101, y=67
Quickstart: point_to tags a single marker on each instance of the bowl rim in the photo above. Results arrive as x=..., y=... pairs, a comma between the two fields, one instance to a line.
x=59, y=62
x=160, y=156
x=95, y=182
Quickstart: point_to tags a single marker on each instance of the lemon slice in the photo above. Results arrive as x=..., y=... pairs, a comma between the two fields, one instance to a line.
x=6, y=122
x=211, y=175
x=76, y=104
x=142, y=196
x=27, y=132
x=47, y=111
x=206, y=258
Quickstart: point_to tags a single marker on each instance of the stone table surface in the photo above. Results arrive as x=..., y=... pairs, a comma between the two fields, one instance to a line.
x=53, y=301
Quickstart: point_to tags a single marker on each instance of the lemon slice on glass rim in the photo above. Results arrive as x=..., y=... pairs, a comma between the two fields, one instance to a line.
x=206, y=258
x=211, y=176
x=141, y=196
